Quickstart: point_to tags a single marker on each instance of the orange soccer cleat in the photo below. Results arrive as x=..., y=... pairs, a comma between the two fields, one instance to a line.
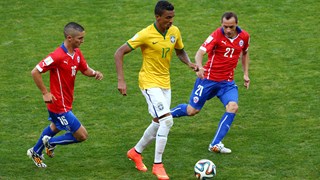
x=160, y=172
x=137, y=159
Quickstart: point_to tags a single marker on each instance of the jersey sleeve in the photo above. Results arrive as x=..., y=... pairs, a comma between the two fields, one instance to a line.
x=47, y=63
x=179, y=44
x=210, y=43
x=137, y=40
x=83, y=65
x=247, y=43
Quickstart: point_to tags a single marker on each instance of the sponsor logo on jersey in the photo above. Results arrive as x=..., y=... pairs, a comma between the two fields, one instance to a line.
x=78, y=59
x=208, y=40
x=48, y=60
x=134, y=37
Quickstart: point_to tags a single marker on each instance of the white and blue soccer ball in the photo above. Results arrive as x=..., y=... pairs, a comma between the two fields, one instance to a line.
x=205, y=169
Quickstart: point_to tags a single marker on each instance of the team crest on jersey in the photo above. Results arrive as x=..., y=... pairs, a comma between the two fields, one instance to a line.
x=78, y=59
x=172, y=39
x=241, y=43
x=160, y=106
x=196, y=99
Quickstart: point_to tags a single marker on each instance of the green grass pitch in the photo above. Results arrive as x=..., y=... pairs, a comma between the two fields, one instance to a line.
x=275, y=134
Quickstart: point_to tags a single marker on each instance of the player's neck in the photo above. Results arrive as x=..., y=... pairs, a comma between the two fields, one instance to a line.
x=69, y=48
x=161, y=30
x=234, y=36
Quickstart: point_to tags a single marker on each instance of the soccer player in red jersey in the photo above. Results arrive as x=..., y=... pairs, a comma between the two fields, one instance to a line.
x=224, y=48
x=63, y=64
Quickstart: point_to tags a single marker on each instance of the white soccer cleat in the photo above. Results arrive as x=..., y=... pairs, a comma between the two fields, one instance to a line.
x=36, y=158
x=219, y=148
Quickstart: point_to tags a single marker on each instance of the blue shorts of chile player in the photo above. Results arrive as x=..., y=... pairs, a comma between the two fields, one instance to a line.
x=204, y=90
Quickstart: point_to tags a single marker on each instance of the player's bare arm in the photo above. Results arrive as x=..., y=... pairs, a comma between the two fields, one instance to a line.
x=183, y=56
x=118, y=57
x=245, y=67
x=92, y=73
x=198, y=58
x=46, y=95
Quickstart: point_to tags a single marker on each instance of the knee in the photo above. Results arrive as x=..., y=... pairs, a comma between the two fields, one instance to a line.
x=232, y=107
x=82, y=137
x=192, y=111
x=54, y=128
x=167, y=121
x=81, y=134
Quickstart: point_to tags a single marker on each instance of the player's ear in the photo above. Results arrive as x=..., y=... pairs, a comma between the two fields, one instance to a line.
x=69, y=37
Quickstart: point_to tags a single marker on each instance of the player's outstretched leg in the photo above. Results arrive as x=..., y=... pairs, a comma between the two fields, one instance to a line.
x=179, y=111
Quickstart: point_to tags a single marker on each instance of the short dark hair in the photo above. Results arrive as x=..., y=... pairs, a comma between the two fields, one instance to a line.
x=229, y=15
x=162, y=6
x=71, y=26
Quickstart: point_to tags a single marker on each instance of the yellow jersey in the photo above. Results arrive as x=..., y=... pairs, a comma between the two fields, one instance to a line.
x=157, y=53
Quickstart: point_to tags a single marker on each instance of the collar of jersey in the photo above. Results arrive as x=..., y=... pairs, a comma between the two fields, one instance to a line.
x=164, y=35
x=237, y=28
x=64, y=48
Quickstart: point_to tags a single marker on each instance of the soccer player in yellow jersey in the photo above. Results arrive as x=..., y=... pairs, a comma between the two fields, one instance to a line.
x=157, y=42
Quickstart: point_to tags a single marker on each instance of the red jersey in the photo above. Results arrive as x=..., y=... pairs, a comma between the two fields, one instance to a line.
x=223, y=54
x=63, y=69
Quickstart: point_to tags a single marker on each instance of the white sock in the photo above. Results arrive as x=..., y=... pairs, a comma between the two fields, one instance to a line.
x=162, y=137
x=148, y=136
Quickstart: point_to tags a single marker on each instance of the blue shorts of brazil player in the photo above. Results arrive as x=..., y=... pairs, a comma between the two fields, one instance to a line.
x=65, y=121
x=205, y=89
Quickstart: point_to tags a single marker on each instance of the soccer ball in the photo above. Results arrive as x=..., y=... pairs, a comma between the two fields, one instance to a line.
x=204, y=169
